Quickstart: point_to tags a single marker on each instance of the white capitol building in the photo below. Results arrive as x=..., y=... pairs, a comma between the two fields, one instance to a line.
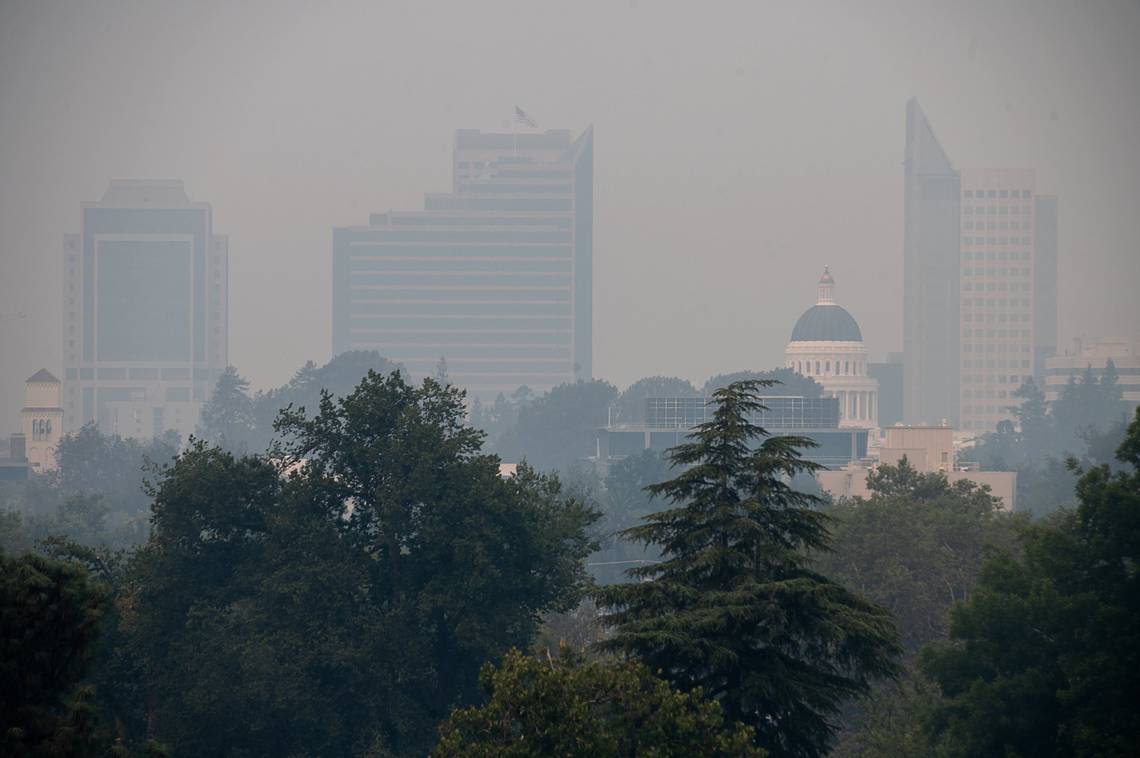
x=828, y=347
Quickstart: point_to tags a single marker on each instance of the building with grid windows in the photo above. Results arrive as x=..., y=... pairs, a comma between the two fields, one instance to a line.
x=145, y=315
x=669, y=420
x=495, y=277
x=1005, y=299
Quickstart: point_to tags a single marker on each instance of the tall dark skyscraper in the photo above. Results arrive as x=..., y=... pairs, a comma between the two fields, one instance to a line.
x=495, y=277
x=931, y=197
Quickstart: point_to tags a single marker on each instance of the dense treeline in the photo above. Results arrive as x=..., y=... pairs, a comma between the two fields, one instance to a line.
x=1087, y=421
x=350, y=578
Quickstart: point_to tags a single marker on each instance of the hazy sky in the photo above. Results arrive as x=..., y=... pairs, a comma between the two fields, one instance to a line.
x=739, y=148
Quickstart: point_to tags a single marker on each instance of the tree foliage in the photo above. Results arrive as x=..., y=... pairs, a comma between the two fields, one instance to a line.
x=916, y=545
x=735, y=608
x=567, y=707
x=49, y=621
x=346, y=607
x=1045, y=658
x=559, y=428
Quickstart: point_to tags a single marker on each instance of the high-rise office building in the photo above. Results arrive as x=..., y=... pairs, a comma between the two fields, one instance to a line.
x=1045, y=251
x=997, y=292
x=931, y=190
x=1009, y=291
x=145, y=318
x=494, y=277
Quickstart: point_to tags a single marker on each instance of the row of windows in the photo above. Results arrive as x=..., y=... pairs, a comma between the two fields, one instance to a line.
x=460, y=309
x=824, y=368
x=989, y=394
x=420, y=264
x=1001, y=302
x=994, y=240
x=1000, y=333
x=993, y=379
x=1000, y=318
x=465, y=295
x=1001, y=255
x=365, y=249
x=456, y=347
x=997, y=287
x=992, y=271
x=992, y=363
x=471, y=279
x=1003, y=226
x=452, y=338
x=997, y=193
x=996, y=210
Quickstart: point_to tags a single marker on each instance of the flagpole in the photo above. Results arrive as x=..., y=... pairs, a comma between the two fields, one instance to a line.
x=515, y=134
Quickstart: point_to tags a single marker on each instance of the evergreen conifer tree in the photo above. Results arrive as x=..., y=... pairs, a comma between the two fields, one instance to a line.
x=734, y=607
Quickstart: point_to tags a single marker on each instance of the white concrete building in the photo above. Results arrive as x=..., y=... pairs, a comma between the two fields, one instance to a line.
x=828, y=346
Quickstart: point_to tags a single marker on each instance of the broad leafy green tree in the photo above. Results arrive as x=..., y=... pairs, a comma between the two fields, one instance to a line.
x=1045, y=657
x=49, y=622
x=915, y=546
x=345, y=607
x=559, y=428
x=539, y=707
x=735, y=607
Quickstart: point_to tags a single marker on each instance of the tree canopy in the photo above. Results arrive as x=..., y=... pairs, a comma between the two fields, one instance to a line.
x=567, y=707
x=1045, y=655
x=345, y=608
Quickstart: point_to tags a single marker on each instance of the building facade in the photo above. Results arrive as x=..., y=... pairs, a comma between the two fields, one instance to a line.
x=927, y=449
x=41, y=420
x=670, y=420
x=1008, y=288
x=1094, y=357
x=931, y=191
x=827, y=346
x=495, y=277
x=145, y=311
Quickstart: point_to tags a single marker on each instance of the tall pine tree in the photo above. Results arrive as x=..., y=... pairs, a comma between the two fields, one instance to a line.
x=734, y=608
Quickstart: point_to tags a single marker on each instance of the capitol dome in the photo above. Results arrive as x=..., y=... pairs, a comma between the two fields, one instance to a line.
x=826, y=323
x=827, y=345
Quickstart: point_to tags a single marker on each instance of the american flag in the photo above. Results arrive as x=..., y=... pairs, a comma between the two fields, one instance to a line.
x=521, y=117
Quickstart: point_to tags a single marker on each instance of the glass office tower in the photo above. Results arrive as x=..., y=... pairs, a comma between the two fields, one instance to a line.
x=145, y=315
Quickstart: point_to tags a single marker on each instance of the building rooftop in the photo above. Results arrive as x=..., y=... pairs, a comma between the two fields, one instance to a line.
x=826, y=323
x=43, y=376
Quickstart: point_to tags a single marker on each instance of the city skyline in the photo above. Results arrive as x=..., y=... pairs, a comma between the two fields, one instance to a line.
x=718, y=176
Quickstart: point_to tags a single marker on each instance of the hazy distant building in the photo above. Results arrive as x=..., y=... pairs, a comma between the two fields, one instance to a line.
x=889, y=375
x=931, y=190
x=1094, y=357
x=41, y=420
x=145, y=320
x=495, y=276
x=669, y=421
x=1009, y=290
x=1045, y=253
x=927, y=449
x=827, y=346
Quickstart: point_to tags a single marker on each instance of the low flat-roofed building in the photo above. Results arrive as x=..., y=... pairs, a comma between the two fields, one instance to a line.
x=928, y=449
x=670, y=420
x=1094, y=356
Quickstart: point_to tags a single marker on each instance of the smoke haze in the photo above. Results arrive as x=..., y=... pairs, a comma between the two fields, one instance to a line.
x=740, y=147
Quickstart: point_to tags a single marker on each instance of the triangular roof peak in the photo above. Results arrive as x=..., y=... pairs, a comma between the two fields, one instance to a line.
x=43, y=375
